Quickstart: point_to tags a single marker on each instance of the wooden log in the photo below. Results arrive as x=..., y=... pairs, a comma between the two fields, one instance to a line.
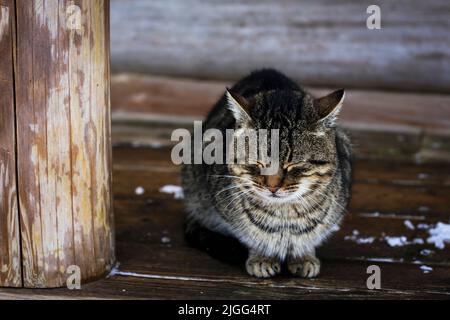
x=321, y=43
x=63, y=139
x=10, y=270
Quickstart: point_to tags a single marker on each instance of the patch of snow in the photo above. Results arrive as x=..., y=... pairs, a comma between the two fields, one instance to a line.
x=165, y=240
x=381, y=260
x=390, y=215
x=370, y=214
x=114, y=271
x=423, y=226
x=409, y=224
x=359, y=240
x=366, y=240
x=396, y=241
x=423, y=176
x=426, y=269
x=401, y=241
x=426, y=252
x=439, y=235
x=424, y=209
x=177, y=191
x=139, y=191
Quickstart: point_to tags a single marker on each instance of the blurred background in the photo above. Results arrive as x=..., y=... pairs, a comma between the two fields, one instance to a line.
x=320, y=43
x=171, y=60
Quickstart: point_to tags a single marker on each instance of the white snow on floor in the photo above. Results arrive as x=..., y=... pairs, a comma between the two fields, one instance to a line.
x=381, y=259
x=165, y=240
x=423, y=226
x=359, y=240
x=426, y=269
x=139, y=191
x=439, y=235
x=426, y=252
x=177, y=191
x=396, y=241
x=409, y=224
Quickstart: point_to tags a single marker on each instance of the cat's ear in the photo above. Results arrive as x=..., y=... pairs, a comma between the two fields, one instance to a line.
x=239, y=106
x=328, y=107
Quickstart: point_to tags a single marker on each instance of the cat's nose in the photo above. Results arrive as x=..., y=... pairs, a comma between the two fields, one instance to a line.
x=273, y=189
x=273, y=183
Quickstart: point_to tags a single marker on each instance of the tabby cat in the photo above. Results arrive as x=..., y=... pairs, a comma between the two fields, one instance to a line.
x=283, y=217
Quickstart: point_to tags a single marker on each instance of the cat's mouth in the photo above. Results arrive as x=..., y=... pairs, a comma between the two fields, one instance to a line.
x=282, y=195
x=279, y=196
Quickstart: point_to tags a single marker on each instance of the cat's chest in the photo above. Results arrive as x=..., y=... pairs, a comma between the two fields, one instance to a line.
x=283, y=213
x=289, y=212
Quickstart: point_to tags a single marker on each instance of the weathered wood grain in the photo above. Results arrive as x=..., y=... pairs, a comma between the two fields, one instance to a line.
x=387, y=111
x=321, y=43
x=10, y=264
x=62, y=89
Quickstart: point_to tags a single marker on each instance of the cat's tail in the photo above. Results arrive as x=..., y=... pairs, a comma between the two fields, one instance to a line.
x=217, y=245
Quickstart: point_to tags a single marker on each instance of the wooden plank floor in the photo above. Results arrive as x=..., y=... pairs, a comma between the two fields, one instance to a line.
x=402, y=178
x=155, y=261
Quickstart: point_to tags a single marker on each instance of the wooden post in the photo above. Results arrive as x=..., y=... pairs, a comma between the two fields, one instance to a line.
x=10, y=266
x=62, y=112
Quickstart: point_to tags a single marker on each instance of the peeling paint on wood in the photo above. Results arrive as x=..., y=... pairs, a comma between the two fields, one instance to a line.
x=62, y=92
x=4, y=21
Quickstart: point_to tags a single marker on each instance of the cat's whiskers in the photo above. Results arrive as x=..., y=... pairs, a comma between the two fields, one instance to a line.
x=232, y=177
x=238, y=195
x=231, y=195
x=312, y=199
x=334, y=201
x=232, y=187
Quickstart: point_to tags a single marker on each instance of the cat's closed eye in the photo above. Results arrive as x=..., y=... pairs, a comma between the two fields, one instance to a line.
x=318, y=162
x=306, y=169
x=297, y=170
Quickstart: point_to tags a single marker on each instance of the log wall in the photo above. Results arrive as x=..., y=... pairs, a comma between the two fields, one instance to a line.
x=319, y=43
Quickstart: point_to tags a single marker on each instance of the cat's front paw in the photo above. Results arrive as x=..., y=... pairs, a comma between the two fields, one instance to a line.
x=262, y=267
x=307, y=267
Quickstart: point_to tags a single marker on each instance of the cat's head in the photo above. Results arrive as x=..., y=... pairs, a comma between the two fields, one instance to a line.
x=307, y=149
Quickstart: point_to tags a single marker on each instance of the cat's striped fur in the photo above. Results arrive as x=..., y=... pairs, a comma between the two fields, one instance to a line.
x=313, y=182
